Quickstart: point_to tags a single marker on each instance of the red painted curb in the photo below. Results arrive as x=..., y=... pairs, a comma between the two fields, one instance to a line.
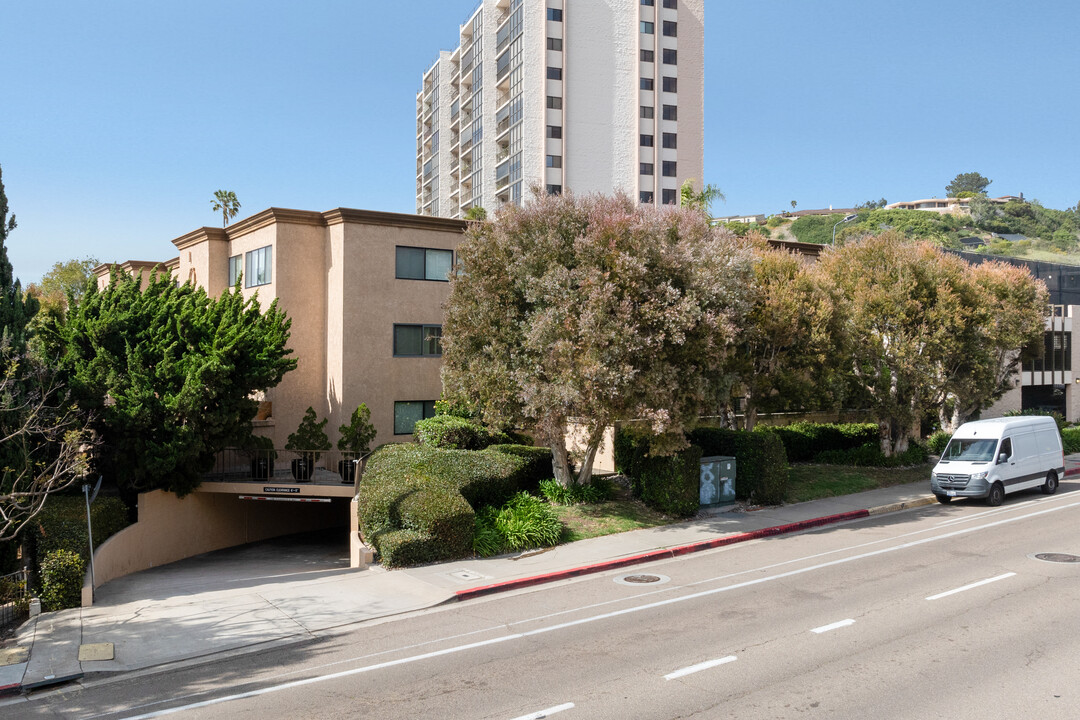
x=1073, y=471
x=10, y=689
x=657, y=555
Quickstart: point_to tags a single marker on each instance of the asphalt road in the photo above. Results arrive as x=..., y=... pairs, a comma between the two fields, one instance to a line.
x=937, y=612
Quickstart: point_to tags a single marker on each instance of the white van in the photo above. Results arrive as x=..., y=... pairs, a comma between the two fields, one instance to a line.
x=989, y=458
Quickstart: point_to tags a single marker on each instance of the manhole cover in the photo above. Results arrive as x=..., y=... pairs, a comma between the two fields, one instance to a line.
x=1057, y=557
x=642, y=579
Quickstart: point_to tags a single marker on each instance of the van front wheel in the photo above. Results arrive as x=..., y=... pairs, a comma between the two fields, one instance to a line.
x=996, y=496
x=1051, y=485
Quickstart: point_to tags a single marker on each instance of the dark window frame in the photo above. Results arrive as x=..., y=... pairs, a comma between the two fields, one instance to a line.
x=423, y=340
x=426, y=250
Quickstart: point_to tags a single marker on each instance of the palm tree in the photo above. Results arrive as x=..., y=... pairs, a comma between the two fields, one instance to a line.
x=702, y=200
x=226, y=202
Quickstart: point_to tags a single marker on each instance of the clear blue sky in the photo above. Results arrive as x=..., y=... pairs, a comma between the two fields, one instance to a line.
x=120, y=118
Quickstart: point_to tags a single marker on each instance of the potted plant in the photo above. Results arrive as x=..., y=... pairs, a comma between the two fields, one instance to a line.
x=354, y=442
x=309, y=441
x=262, y=454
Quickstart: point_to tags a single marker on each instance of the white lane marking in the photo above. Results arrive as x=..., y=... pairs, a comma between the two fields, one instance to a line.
x=546, y=713
x=595, y=618
x=972, y=585
x=833, y=626
x=699, y=667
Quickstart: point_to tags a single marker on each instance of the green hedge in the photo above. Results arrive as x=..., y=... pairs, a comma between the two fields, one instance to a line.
x=417, y=502
x=870, y=455
x=62, y=573
x=61, y=525
x=937, y=441
x=761, y=465
x=804, y=440
x=1070, y=439
x=455, y=433
x=671, y=484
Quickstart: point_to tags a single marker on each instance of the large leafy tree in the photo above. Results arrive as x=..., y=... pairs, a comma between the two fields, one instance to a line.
x=65, y=282
x=596, y=309
x=970, y=182
x=787, y=335
x=1009, y=308
x=904, y=305
x=171, y=374
x=699, y=199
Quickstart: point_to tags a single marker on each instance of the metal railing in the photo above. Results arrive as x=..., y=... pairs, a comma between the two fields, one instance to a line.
x=13, y=597
x=287, y=466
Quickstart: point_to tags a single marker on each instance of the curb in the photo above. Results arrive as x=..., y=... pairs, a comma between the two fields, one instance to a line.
x=678, y=550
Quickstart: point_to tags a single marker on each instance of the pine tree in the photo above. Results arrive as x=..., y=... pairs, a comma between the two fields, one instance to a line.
x=16, y=308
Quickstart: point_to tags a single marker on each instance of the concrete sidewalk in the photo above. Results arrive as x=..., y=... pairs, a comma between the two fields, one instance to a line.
x=199, y=607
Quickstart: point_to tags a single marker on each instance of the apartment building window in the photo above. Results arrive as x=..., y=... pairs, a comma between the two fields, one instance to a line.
x=554, y=102
x=671, y=112
x=554, y=161
x=671, y=84
x=669, y=196
x=646, y=83
x=554, y=14
x=647, y=2
x=645, y=168
x=415, y=263
x=671, y=141
x=554, y=73
x=417, y=340
x=646, y=141
x=257, y=264
x=671, y=4
x=670, y=168
x=234, y=270
x=646, y=111
x=646, y=27
x=554, y=43
x=671, y=57
x=647, y=56
x=554, y=131
x=408, y=413
x=646, y=197
x=671, y=29
x=554, y=189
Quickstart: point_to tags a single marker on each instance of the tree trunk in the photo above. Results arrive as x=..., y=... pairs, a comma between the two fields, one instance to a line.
x=560, y=463
x=585, y=474
x=749, y=417
x=885, y=437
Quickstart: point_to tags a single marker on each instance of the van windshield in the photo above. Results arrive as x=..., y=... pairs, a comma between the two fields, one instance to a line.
x=970, y=450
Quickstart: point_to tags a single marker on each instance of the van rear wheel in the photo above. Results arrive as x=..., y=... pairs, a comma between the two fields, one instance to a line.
x=1051, y=485
x=996, y=496
x=943, y=499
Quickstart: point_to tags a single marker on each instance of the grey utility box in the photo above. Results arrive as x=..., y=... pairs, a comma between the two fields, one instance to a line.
x=717, y=480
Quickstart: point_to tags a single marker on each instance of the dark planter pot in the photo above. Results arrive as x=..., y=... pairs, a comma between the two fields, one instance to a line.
x=302, y=468
x=260, y=468
x=347, y=470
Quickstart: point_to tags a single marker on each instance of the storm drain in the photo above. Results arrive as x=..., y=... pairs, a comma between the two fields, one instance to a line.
x=1057, y=557
x=641, y=579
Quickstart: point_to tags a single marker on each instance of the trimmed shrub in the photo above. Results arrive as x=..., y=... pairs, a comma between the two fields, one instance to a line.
x=62, y=573
x=870, y=455
x=803, y=440
x=1070, y=440
x=761, y=465
x=937, y=441
x=537, y=463
x=451, y=432
x=432, y=493
x=671, y=484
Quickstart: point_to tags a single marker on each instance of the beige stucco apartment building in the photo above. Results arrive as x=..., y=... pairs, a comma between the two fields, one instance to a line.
x=364, y=291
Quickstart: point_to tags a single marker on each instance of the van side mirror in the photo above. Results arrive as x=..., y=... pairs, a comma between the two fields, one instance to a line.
x=1003, y=458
